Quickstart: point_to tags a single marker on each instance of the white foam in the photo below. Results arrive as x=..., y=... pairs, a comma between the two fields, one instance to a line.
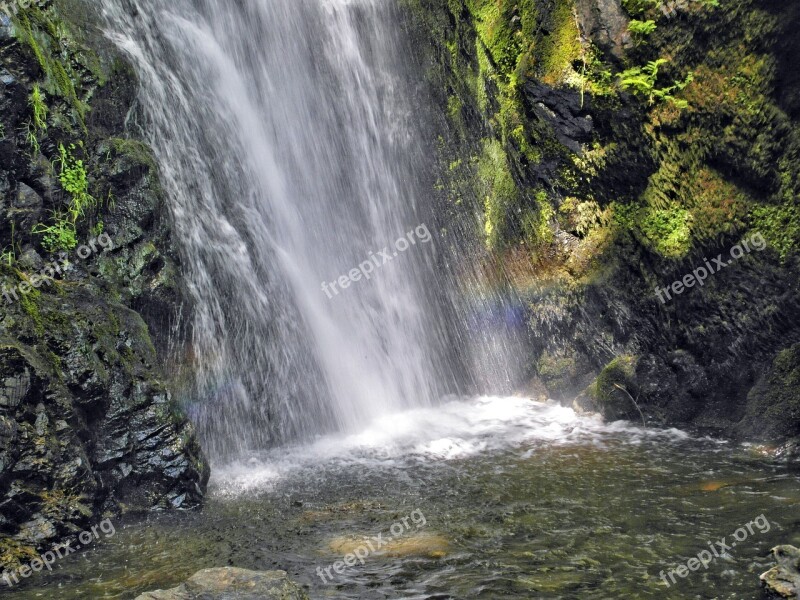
x=457, y=429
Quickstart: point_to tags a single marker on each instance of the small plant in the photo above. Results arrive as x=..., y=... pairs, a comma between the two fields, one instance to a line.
x=642, y=81
x=9, y=253
x=33, y=139
x=7, y=257
x=74, y=180
x=641, y=29
x=62, y=234
x=59, y=236
x=39, y=109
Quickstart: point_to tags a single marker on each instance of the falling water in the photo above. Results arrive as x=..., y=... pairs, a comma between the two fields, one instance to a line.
x=290, y=151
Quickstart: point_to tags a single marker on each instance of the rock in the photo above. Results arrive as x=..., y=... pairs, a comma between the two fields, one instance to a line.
x=564, y=110
x=88, y=426
x=230, y=583
x=605, y=23
x=783, y=580
x=773, y=404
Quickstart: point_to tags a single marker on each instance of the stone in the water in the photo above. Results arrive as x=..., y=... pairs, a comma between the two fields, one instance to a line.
x=230, y=583
x=431, y=546
x=783, y=580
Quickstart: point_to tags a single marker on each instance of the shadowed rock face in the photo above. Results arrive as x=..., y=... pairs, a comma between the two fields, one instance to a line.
x=229, y=583
x=87, y=424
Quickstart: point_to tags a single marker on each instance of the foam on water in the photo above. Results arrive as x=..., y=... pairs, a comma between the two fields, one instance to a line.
x=457, y=429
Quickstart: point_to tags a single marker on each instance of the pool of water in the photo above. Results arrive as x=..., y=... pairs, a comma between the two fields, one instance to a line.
x=483, y=498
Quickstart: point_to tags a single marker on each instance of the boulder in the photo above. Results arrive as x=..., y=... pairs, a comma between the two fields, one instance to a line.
x=228, y=583
x=783, y=580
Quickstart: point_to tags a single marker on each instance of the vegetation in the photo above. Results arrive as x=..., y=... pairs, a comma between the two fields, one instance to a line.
x=641, y=29
x=642, y=81
x=62, y=233
x=39, y=108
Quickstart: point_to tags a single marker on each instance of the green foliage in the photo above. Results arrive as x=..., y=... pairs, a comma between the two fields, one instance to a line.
x=637, y=7
x=641, y=29
x=642, y=82
x=61, y=235
x=780, y=226
x=667, y=231
x=74, y=180
x=499, y=192
x=537, y=224
x=39, y=108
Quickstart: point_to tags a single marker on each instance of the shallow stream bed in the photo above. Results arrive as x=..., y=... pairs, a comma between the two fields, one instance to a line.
x=489, y=498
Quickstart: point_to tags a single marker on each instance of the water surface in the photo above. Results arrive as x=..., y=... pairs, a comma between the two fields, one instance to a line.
x=520, y=500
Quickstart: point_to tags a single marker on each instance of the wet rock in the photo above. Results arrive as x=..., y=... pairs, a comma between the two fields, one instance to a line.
x=613, y=393
x=783, y=580
x=230, y=583
x=27, y=208
x=564, y=110
x=87, y=423
x=773, y=404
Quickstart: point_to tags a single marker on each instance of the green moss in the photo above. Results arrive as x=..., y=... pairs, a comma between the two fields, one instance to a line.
x=499, y=193
x=46, y=36
x=780, y=226
x=612, y=390
x=562, y=46
x=29, y=305
x=136, y=151
x=666, y=231
x=537, y=223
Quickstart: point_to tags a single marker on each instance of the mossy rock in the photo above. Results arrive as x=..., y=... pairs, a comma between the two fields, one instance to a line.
x=773, y=404
x=613, y=392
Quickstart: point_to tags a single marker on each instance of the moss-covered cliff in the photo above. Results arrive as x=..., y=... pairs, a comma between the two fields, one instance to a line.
x=87, y=425
x=612, y=149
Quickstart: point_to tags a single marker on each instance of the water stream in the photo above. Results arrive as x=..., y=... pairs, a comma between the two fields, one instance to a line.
x=292, y=154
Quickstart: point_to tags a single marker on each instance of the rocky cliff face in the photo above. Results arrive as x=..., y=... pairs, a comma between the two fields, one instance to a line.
x=90, y=290
x=614, y=151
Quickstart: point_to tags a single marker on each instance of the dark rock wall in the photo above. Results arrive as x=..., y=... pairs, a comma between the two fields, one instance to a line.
x=87, y=424
x=610, y=149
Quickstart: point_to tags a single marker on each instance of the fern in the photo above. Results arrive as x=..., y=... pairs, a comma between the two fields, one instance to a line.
x=642, y=29
x=642, y=81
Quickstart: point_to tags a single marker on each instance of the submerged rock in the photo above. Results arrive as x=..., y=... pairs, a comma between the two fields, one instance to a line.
x=229, y=583
x=783, y=580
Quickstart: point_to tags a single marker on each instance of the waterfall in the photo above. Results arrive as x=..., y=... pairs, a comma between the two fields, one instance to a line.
x=289, y=144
